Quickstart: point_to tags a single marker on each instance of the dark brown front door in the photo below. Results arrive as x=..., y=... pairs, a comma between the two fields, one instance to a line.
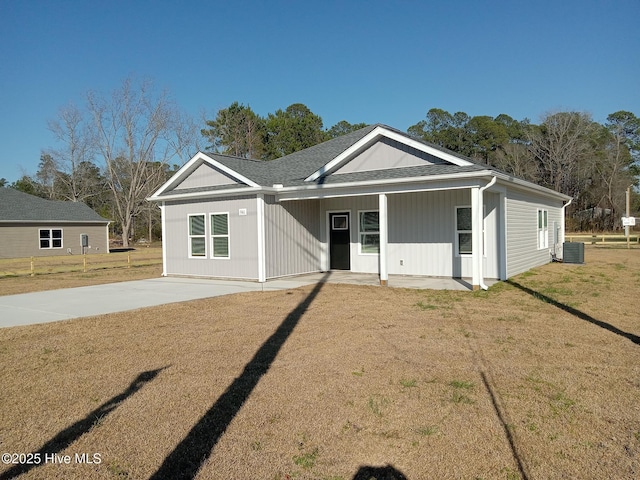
x=339, y=241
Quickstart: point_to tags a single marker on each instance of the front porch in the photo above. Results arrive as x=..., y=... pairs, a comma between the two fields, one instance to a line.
x=396, y=281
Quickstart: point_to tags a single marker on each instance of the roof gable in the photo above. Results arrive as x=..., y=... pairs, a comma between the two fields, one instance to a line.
x=17, y=206
x=387, y=154
x=205, y=172
x=395, y=137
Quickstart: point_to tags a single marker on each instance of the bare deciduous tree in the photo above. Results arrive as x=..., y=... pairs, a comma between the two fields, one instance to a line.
x=136, y=134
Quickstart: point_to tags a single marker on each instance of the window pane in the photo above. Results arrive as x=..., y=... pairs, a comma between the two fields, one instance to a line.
x=221, y=247
x=56, y=233
x=340, y=222
x=198, y=247
x=464, y=242
x=220, y=224
x=463, y=218
x=44, y=243
x=370, y=242
x=546, y=214
x=196, y=225
x=57, y=243
x=44, y=233
x=539, y=219
x=369, y=222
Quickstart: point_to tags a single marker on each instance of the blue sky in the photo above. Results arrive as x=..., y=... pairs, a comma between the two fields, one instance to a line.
x=361, y=61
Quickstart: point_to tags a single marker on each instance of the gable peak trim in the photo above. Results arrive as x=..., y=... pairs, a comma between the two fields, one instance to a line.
x=372, y=137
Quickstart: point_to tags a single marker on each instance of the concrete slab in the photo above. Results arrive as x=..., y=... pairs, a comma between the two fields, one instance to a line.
x=64, y=304
x=54, y=305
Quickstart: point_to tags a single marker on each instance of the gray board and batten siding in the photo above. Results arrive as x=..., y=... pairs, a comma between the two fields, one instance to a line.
x=243, y=238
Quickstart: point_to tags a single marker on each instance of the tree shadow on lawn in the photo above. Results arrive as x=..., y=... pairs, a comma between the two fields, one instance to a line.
x=388, y=472
x=70, y=434
x=576, y=313
x=185, y=460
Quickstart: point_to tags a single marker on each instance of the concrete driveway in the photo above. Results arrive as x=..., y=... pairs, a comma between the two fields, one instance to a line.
x=64, y=304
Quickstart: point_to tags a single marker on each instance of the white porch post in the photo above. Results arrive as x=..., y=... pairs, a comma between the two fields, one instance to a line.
x=262, y=276
x=163, y=221
x=384, y=236
x=476, y=237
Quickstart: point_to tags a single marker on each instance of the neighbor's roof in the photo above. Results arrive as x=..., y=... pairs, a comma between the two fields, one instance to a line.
x=17, y=206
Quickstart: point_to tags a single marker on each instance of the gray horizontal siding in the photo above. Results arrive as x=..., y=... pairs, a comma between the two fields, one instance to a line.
x=292, y=234
x=18, y=241
x=522, y=230
x=243, y=243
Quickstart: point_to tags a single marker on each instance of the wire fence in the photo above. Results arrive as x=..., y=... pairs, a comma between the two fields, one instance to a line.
x=32, y=266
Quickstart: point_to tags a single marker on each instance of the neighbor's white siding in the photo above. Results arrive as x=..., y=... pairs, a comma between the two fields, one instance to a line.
x=292, y=237
x=243, y=238
x=522, y=230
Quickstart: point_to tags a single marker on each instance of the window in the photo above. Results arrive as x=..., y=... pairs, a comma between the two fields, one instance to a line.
x=543, y=229
x=50, y=238
x=197, y=238
x=220, y=235
x=369, y=230
x=340, y=222
x=463, y=230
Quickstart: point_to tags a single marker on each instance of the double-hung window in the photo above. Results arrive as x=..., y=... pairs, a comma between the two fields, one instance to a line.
x=50, y=238
x=369, y=232
x=197, y=237
x=463, y=230
x=220, y=235
x=543, y=229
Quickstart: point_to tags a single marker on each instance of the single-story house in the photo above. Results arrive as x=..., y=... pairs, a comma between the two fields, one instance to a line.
x=375, y=200
x=32, y=226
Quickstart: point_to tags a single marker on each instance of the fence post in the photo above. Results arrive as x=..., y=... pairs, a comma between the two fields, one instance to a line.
x=84, y=263
x=128, y=260
x=33, y=267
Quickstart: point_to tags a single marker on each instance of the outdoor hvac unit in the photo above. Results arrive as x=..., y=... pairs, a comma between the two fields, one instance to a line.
x=573, y=252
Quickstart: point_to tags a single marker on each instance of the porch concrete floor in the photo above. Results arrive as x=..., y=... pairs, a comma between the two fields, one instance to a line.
x=398, y=281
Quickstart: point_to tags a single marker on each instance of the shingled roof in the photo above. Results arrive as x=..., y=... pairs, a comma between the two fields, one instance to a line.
x=16, y=206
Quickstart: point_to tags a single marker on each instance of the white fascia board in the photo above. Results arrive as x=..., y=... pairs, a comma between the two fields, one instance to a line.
x=210, y=194
x=383, y=186
x=198, y=159
x=383, y=132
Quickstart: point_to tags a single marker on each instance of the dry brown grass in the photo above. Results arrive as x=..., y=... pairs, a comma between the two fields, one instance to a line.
x=541, y=383
x=65, y=272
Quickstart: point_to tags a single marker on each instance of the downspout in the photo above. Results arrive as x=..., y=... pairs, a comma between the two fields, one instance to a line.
x=562, y=224
x=483, y=286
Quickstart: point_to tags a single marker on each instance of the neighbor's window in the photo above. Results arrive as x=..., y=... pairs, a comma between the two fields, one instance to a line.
x=50, y=238
x=369, y=230
x=220, y=235
x=543, y=229
x=197, y=238
x=463, y=230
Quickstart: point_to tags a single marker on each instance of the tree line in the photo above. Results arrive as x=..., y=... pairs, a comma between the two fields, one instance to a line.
x=118, y=148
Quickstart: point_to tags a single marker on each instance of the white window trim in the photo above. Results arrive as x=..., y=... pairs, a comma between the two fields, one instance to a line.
x=360, y=252
x=542, y=232
x=484, y=231
x=227, y=236
x=50, y=230
x=189, y=236
x=458, y=232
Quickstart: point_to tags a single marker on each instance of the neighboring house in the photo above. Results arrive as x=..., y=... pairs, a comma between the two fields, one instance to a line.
x=375, y=201
x=32, y=226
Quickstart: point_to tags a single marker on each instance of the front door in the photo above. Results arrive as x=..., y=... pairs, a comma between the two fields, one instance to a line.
x=339, y=241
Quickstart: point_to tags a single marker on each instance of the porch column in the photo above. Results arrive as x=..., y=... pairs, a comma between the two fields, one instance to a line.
x=476, y=237
x=261, y=238
x=384, y=236
x=163, y=221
